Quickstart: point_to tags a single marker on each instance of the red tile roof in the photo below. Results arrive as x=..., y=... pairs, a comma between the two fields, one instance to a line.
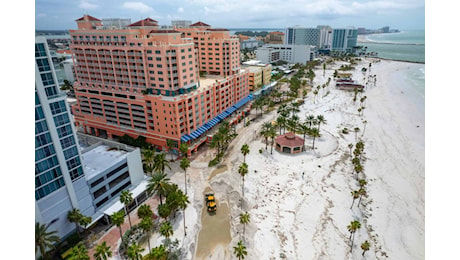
x=88, y=18
x=276, y=33
x=200, y=24
x=145, y=22
x=164, y=31
x=289, y=139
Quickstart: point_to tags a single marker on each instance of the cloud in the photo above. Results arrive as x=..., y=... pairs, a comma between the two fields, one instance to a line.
x=87, y=6
x=41, y=15
x=180, y=10
x=137, y=6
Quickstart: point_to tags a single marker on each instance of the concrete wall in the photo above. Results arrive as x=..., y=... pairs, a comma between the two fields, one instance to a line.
x=56, y=206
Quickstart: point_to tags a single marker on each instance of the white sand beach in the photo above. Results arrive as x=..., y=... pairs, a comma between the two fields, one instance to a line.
x=295, y=217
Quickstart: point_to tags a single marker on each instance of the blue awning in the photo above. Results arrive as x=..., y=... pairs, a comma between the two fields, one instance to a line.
x=185, y=138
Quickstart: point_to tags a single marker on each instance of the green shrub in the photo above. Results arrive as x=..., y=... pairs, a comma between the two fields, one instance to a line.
x=261, y=150
x=345, y=130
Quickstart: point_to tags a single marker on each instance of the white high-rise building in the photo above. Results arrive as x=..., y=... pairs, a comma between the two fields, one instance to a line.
x=286, y=52
x=325, y=37
x=181, y=23
x=68, y=175
x=302, y=36
x=115, y=23
x=58, y=167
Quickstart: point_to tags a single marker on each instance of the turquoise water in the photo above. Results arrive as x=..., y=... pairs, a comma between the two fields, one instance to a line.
x=406, y=45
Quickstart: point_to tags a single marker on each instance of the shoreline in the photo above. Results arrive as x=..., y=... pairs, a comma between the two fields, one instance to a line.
x=387, y=59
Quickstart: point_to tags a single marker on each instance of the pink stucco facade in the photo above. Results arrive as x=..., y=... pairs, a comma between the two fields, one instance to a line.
x=145, y=81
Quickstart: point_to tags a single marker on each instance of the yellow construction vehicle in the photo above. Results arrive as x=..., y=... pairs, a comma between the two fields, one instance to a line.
x=210, y=202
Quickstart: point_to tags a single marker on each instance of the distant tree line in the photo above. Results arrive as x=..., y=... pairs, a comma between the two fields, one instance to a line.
x=252, y=33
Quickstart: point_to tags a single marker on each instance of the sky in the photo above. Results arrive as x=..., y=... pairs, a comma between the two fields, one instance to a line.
x=370, y=14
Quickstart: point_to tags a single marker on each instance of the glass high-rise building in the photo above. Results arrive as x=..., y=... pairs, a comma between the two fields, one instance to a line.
x=57, y=157
x=302, y=36
x=70, y=175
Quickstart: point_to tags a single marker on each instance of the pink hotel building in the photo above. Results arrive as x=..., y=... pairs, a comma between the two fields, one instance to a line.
x=142, y=80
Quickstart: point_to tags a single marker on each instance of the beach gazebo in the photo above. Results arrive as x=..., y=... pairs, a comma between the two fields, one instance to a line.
x=289, y=143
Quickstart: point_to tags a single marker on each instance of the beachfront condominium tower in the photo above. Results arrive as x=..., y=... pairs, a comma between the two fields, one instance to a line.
x=144, y=81
x=345, y=39
x=325, y=37
x=71, y=174
x=58, y=165
x=302, y=36
x=180, y=23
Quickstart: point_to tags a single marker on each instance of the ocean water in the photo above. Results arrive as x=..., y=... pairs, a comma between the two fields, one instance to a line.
x=407, y=45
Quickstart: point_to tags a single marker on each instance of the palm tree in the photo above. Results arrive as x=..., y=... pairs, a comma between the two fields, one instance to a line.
x=304, y=129
x=84, y=222
x=265, y=128
x=160, y=163
x=244, y=151
x=170, y=145
x=362, y=183
x=184, y=164
x=320, y=120
x=146, y=225
x=216, y=142
x=157, y=185
x=351, y=147
x=315, y=92
x=158, y=253
x=361, y=192
x=79, y=252
x=126, y=197
x=281, y=122
x=240, y=250
x=365, y=246
x=310, y=119
x=144, y=211
x=244, y=219
x=118, y=218
x=182, y=204
x=356, y=132
x=355, y=161
x=314, y=132
x=243, y=170
x=102, y=251
x=135, y=252
x=44, y=239
x=355, y=195
x=272, y=134
x=166, y=230
x=147, y=161
x=183, y=148
x=364, y=127
x=75, y=216
x=358, y=169
x=354, y=225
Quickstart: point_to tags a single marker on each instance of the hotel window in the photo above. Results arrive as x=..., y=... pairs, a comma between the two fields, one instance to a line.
x=47, y=78
x=43, y=65
x=158, y=58
x=157, y=52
